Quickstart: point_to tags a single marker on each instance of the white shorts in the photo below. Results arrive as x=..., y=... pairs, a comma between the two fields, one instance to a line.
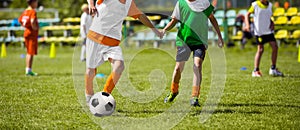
x=97, y=54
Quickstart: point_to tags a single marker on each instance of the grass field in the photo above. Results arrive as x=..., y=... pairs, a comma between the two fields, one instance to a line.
x=53, y=100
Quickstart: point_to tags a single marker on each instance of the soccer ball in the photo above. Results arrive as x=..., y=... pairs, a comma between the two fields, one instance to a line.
x=102, y=104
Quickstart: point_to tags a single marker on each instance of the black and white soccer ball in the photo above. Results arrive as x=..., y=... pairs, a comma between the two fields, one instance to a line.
x=102, y=104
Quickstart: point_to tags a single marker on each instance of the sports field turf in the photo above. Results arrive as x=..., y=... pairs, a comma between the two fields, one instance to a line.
x=53, y=100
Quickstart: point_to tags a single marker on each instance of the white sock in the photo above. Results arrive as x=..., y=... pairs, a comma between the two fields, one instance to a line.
x=28, y=70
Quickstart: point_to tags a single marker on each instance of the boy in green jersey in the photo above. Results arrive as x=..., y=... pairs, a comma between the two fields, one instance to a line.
x=192, y=37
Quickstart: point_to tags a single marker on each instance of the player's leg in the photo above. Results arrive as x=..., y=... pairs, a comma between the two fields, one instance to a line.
x=82, y=55
x=177, y=76
x=196, y=81
x=113, y=78
x=175, y=81
x=94, y=58
x=260, y=49
x=273, y=70
x=199, y=55
x=89, y=77
x=182, y=56
x=31, y=46
x=115, y=57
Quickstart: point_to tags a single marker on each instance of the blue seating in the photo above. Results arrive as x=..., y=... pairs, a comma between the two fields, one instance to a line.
x=243, y=12
x=231, y=21
x=219, y=14
x=231, y=14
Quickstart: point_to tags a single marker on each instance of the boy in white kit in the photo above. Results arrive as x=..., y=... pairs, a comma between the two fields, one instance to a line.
x=264, y=32
x=104, y=37
x=85, y=23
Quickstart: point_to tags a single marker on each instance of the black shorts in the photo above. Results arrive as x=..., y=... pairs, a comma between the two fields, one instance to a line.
x=184, y=52
x=260, y=40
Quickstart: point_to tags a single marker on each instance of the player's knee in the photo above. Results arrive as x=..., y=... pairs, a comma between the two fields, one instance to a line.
x=275, y=47
x=90, y=72
x=197, y=66
x=177, y=69
x=120, y=68
x=260, y=50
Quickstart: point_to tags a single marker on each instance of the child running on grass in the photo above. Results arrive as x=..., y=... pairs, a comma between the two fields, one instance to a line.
x=192, y=37
x=104, y=37
x=264, y=32
x=28, y=19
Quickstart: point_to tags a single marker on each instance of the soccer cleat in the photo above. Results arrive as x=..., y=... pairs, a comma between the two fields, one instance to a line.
x=30, y=73
x=194, y=102
x=170, y=97
x=256, y=74
x=275, y=72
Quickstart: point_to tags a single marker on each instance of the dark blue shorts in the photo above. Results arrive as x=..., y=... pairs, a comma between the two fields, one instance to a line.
x=184, y=52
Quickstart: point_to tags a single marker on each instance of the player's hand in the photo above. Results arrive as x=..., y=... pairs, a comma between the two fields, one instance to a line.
x=158, y=33
x=93, y=10
x=220, y=43
x=163, y=32
x=246, y=28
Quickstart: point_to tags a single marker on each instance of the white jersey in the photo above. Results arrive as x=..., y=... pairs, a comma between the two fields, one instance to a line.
x=85, y=22
x=197, y=6
x=262, y=19
x=111, y=14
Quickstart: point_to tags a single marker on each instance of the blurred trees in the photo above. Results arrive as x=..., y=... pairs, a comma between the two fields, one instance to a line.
x=66, y=8
x=72, y=8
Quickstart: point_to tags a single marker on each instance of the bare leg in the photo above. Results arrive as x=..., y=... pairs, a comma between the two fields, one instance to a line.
x=274, y=52
x=176, y=76
x=89, y=77
x=177, y=71
x=260, y=50
x=197, y=76
x=29, y=61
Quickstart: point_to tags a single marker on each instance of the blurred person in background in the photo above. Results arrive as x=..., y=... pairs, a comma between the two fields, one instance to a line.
x=85, y=23
x=29, y=21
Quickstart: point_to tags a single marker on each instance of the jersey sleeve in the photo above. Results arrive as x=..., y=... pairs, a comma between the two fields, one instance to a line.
x=251, y=9
x=176, y=12
x=134, y=11
x=33, y=15
x=208, y=10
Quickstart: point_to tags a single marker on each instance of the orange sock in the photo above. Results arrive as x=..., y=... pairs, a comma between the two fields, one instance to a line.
x=111, y=82
x=196, y=91
x=174, y=87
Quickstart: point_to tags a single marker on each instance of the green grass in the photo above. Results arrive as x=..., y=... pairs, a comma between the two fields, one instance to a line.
x=50, y=101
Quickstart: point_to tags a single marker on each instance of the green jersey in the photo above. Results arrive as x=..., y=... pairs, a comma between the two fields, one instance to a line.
x=193, y=24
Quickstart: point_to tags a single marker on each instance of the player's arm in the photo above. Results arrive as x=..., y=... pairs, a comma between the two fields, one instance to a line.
x=137, y=14
x=92, y=8
x=170, y=25
x=34, y=23
x=144, y=19
x=247, y=19
x=216, y=27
